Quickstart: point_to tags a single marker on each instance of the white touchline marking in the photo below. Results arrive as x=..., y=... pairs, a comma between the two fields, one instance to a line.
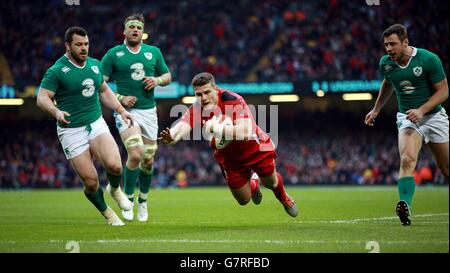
x=226, y=241
x=353, y=221
x=199, y=241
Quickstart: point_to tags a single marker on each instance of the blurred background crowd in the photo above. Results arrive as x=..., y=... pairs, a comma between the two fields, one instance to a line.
x=237, y=41
x=330, y=148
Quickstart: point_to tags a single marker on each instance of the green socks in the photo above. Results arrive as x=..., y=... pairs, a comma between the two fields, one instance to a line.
x=130, y=177
x=114, y=180
x=145, y=180
x=97, y=199
x=406, y=187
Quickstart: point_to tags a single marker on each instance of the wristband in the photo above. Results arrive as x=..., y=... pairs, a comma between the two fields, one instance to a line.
x=160, y=81
x=119, y=109
x=119, y=97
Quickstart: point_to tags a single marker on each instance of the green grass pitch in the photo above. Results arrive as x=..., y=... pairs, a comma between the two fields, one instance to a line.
x=331, y=219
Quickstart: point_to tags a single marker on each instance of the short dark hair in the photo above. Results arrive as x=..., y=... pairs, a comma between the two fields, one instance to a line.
x=68, y=37
x=136, y=16
x=202, y=79
x=398, y=29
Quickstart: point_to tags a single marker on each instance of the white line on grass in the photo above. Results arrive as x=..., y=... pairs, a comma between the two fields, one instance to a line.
x=354, y=221
x=271, y=242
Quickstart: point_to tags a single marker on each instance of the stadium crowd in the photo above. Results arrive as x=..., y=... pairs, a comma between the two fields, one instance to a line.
x=274, y=40
x=31, y=156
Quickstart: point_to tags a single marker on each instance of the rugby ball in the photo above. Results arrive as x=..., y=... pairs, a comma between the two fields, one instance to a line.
x=222, y=142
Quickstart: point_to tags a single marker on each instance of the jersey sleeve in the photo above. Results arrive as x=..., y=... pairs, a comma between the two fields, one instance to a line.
x=50, y=81
x=382, y=67
x=161, y=67
x=192, y=116
x=434, y=68
x=107, y=64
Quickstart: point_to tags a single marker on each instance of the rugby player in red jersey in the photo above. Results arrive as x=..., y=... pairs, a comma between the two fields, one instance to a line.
x=245, y=153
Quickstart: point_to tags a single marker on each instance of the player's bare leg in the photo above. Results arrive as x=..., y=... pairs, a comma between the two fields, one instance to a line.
x=243, y=194
x=275, y=183
x=440, y=153
x=84, y=167
x=133, y=143
x=106, y=151
x=409, y=144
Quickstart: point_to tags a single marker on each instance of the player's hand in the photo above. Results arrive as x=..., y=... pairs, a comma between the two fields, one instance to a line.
x=414, y=115
x=128, y=101
x=370, y=118
x=165, y=136
x=150, y=82
x=60, y=117
x=128, y=118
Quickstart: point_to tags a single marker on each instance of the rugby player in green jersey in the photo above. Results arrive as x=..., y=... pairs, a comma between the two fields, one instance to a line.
x=137, y=68
x=71, y=91
x=418, y=79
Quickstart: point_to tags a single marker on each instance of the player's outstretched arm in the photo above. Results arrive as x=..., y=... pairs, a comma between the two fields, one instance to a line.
x=45, y=102
x=384, y=94
x=241, y=130
x=174, y=134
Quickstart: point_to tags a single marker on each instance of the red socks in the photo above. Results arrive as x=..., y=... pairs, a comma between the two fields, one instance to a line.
x=253, y=185
x=279, y=192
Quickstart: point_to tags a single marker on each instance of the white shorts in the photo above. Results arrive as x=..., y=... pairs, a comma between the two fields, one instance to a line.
x=74, y=141
x=433, y=127
x=146, y=119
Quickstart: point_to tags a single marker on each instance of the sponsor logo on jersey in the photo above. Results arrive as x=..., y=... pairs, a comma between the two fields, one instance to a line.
x=417, y=71
x=387, y=67
x=148, y=55
x=65, y=69
x=95, y=69
x=120, y=54
x=407, y=87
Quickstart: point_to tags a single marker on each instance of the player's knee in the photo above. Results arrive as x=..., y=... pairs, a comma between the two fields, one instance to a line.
x=91, y=186
x=135, y=155
x=114, y=168
x=407, y=162
x=149, y=151
x=243, y=201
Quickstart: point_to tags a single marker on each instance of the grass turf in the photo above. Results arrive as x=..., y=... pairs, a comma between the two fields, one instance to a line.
x=331, y=219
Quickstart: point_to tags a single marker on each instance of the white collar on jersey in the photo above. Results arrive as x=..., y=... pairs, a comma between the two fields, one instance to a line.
x=131, y=51
x=74, y=64
x=412, y=55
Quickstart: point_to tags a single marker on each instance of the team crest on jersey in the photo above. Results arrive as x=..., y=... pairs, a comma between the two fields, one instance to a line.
x=120, y=54
x=417, y=71
x=95, y=69
x=148, y=55
x=65, y=69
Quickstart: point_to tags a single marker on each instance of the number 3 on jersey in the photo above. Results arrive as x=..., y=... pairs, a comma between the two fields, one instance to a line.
x=139, y=72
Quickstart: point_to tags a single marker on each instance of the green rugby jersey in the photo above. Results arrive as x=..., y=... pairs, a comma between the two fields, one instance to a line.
x=76, y=89
x=413, y=83
x=128, y=69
